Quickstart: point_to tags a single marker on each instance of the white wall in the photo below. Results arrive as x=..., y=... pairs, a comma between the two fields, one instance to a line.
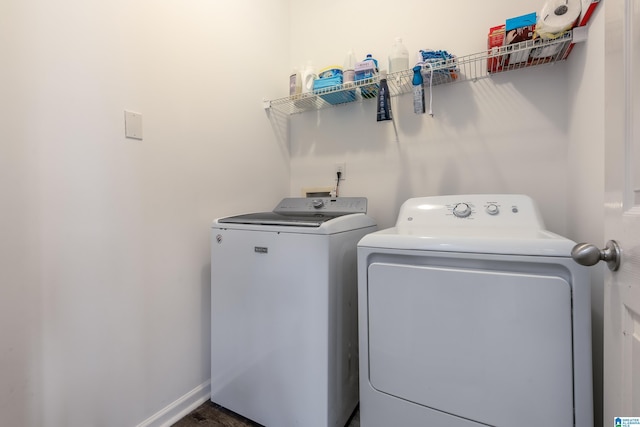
x=20, y=272
x=105, y=240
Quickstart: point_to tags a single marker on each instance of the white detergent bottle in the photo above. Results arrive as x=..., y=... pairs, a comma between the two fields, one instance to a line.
x=308, y=76
x=399, y=57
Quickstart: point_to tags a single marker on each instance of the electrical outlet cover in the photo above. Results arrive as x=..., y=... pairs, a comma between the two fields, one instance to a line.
x=133, y=125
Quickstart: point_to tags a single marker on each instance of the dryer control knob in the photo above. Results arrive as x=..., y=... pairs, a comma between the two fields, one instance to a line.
x=493, y=209
x=462, y=210
x=317, y=203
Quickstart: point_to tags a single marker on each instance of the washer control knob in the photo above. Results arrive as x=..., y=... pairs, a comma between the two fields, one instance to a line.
x=462, y=210
x=493, y=209
x=317, y=203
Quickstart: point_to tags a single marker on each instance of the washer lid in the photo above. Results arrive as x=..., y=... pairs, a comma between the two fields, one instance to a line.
x=302, y=212
x=272, y=218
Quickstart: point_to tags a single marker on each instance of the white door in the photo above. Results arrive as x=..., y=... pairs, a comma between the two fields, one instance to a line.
x=622, y=210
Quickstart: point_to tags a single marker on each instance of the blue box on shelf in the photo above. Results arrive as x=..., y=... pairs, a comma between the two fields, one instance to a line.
x=329, y=89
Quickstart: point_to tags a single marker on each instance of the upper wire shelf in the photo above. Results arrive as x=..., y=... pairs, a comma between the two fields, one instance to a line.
x=472, y=67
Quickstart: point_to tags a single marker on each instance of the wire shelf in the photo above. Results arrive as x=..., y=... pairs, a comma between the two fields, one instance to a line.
x=472, y=67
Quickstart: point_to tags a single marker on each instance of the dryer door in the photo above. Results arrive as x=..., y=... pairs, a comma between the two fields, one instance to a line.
x=488, y=346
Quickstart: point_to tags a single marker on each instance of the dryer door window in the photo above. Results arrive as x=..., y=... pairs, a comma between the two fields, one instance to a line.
x=492, y=347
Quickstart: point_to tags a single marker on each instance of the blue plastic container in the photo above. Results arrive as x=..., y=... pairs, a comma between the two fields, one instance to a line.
x=329, y=85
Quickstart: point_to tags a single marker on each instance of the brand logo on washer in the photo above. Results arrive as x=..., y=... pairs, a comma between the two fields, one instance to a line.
x=219, y=238
x=261, y=249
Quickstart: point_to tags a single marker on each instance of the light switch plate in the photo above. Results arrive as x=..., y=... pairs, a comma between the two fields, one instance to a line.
x=132, y=125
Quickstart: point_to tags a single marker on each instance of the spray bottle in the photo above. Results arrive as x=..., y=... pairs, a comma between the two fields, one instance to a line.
x=418, y=90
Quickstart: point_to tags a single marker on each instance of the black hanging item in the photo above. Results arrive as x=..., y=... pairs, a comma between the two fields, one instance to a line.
x=384, y=100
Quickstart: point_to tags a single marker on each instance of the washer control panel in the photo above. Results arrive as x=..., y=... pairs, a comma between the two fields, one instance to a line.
x=325, y=205
x=495, y=210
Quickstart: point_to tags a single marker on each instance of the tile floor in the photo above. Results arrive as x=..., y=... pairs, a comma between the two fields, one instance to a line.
x=211, y=415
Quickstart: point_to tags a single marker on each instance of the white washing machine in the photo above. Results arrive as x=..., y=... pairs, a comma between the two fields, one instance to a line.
x=284, y=334
x=472, y=314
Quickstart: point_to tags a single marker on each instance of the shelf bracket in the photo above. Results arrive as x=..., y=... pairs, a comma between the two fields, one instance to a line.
x=580, y=34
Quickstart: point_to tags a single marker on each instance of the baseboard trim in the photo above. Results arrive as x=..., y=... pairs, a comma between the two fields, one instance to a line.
x=173, y=412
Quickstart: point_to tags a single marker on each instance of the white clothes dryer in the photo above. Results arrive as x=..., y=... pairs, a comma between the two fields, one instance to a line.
x=284, y=334
x=472, y=314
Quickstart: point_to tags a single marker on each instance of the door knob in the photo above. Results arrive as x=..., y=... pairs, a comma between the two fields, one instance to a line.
x=588, y=254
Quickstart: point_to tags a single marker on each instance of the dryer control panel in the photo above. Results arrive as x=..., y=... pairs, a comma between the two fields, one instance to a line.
x=471, y=210
x=465, y=209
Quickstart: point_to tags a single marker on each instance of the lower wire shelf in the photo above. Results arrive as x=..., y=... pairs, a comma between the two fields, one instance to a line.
x=472, y=67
